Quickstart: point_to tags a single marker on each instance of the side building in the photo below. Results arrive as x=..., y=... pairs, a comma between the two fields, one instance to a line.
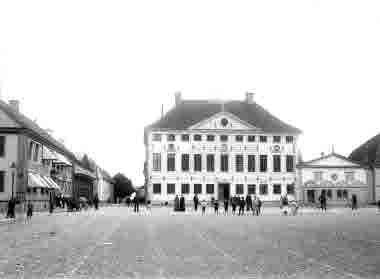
x=33, y=164
x=219, y=149
x=335, y=176
x=369, y=154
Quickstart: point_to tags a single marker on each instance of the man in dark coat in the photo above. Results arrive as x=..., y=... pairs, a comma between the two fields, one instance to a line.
x=354, y=202
x=136, y=202
x=323, y=202
x=196, y=201
x=182, y=203
x=248, y=201
x=241, y=206
x=226, y=206
x=96, y=202
x=233, y=204
x=176, y=203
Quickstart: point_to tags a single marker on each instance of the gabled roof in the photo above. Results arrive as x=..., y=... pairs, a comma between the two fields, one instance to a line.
x=318, y=162
x=190, y=112
x=36, y=130
x=368, y=153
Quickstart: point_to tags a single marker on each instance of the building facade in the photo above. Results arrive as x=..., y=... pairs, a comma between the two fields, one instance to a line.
x=337, y=177
x=105, y=186
x=220, y=149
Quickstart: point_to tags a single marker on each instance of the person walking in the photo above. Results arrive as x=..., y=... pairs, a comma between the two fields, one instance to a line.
x=248, y=201
x=196, y=201
x=136, y=204
x=29, y=211
x=254, y=206
x=225, y=206
x=241, y=205
x=259, y=205
x=203, y=205
x=176, y=203
x=323, y=202
x=182, y=203
x=216, y=207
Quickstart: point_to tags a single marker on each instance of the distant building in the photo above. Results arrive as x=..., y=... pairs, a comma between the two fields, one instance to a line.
x=369, y=154
x=337, y=176
x=220, y=149
x=105, y=187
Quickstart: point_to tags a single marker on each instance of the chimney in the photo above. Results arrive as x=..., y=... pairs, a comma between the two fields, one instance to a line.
x=249, y=97
x=178, y=98
x=15, y=104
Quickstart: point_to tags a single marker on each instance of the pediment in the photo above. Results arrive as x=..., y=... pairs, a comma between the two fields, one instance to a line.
x=332, y=160
x=223, y=121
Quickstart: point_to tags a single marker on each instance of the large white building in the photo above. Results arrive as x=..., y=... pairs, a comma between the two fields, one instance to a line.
x=220, y=149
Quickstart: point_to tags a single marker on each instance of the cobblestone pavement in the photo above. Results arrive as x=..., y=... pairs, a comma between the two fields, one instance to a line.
x=114, y=242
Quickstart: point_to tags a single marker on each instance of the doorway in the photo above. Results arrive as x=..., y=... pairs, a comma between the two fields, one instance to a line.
x=223, y=191
x=310, y=196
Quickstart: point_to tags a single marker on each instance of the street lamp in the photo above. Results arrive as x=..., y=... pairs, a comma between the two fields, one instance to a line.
x=13, y=168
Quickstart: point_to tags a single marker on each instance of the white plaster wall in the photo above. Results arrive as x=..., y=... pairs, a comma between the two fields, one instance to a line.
x=11, y=144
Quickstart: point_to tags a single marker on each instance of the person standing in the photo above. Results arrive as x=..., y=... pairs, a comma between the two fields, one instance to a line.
x=216, y=207
x=259, y=205
x=29, y=211
x=354, y=202
x=241, y=205
x=225, y=206
x=196, y=201
x=248, y=201
x=182, y=203
x=233, y=204
x=254, y=206
x=136, y=203
x=203, y=204
x=323, y=202
x=176, y=203
x=96, y=202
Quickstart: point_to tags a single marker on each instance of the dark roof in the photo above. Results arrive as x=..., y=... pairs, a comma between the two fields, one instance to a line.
x=190, y=112
x=369, y=152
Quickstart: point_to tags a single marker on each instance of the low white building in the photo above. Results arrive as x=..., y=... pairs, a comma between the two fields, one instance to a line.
x=337, y=176
x=220, y=149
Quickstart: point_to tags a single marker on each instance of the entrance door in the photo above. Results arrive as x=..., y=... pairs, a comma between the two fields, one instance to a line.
x=311, y=196
x=223, y=191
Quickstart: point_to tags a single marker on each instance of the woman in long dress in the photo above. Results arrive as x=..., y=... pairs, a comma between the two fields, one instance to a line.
x=176, y=203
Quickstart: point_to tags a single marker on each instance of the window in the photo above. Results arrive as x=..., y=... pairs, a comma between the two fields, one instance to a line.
x=251, y=189
x=345, y=194
x=239, y=189
x=251, y=138
x=185, y=137
x=317, y=175
x=263, y=163
x=171, y=162
x=290, y=189
x=239, y=138
x=277, y=189
x=329, y=194
x=197, y=162
x=156, y=162
x=171, y=137
x=263, y=189
x=210, y=137
x=224, y=163
x=239, y=163
x=276, y=139
x=197, y=137
x=28, y=190
x=2, y=146
x=156, y=137
x=289, y=163
x=210, y=162
x=170, y=188
x=185, y=188
x=263, y=138
x=36, y=151
x=185, y=162
x=2, y=175
x=349, y=176
x=276, y=163
x=339, y=194
x=197, y=188
x=223, y=138
x=210, y=188
x=35, y=190
x=251, y=163
x=157, y=188
x=289, y=139
x=30, y=151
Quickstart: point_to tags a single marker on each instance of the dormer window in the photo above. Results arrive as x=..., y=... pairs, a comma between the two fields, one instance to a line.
x=156, y=137
x=185, y=137
x=289, y=139
x=239, y=138
x=251, y=138
x=223, y=138
x=210, y=137
x=263, y=138
x=197, y=137
x=276, y=139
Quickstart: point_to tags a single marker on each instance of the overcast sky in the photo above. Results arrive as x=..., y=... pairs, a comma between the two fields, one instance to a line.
x=97, y=72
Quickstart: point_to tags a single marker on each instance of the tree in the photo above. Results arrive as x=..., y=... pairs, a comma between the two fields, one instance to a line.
x=123, y=186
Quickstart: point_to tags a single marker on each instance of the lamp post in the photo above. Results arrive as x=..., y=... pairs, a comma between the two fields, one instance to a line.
x=13, y=168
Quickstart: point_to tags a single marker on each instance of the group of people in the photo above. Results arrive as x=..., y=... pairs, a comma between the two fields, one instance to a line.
x=136, y=203
x=236, y=202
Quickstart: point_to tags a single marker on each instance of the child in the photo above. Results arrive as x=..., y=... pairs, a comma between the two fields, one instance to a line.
x=29, y=211
x=203, y=204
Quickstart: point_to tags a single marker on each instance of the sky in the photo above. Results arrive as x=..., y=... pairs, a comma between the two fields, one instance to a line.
x=97, y=72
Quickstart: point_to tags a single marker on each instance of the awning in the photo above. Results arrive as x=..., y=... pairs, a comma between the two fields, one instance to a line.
x=52, y=183
x=62, y=160
x=36, y=181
